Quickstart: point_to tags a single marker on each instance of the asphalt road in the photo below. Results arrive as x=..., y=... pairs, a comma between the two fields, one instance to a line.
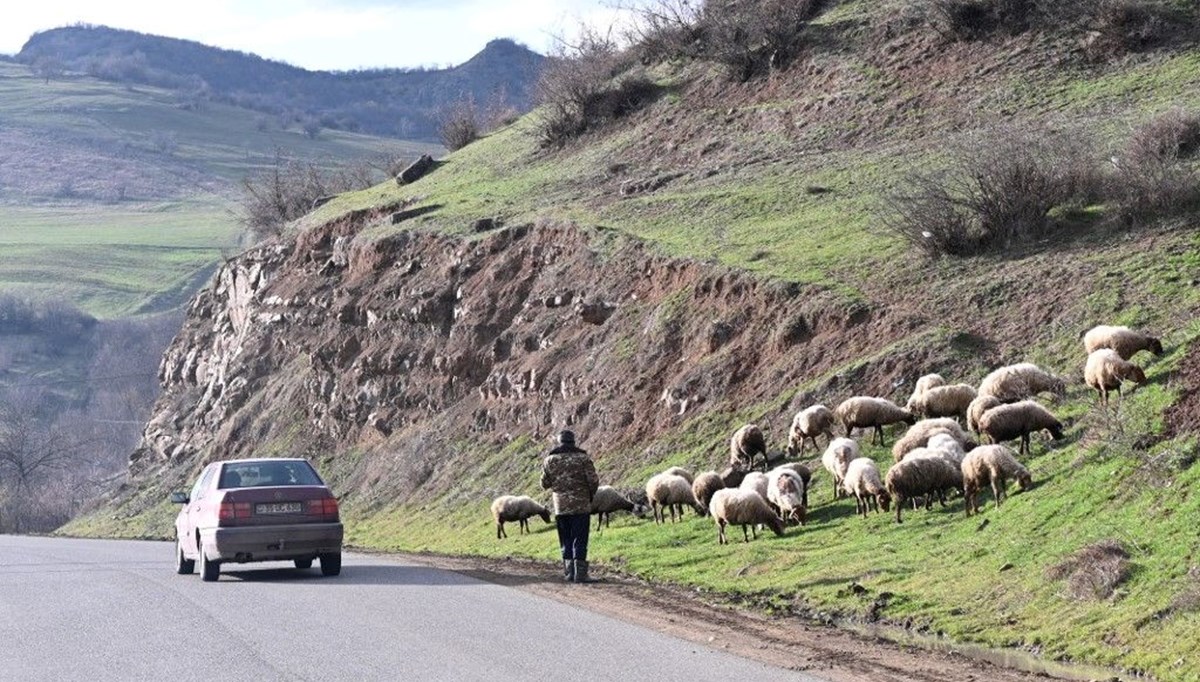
x=116, y=610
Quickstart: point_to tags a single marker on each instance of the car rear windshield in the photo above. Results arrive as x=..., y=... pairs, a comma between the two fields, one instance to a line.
x=258, y=474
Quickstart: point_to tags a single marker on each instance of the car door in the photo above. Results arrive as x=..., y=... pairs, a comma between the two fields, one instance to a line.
x=191, y=513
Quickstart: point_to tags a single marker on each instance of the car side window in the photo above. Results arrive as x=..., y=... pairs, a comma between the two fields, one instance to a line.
x=202, y=484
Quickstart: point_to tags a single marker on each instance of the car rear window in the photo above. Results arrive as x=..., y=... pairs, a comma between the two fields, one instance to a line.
x=259, y=474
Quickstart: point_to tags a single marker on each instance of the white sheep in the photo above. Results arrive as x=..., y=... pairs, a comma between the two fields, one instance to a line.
x=755, y=481
x=745, y=508
x=807, y=425
x=747, y=442
x=871, y=413
x=864, y=483
x=1106, y=370
x=1018, y=420
x=668, y=491
x=945, y=443
x=944, y=401
x=608, y=500
x=994, y=464
x=518, y=508
x=1020, y=381
x=1125, y=341
x=924, y=384
x=976, y=409
x=837, y=457
x=785, y=491
x=918, y=435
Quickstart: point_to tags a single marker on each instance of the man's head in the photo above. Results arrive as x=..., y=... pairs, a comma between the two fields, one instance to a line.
x=566, y=437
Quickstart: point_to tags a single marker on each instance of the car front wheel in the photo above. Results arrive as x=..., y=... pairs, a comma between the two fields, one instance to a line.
x=209, y=570
x=183, y=565
x=331, y=563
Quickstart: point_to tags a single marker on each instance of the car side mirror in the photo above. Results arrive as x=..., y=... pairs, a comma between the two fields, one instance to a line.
x=179, y=498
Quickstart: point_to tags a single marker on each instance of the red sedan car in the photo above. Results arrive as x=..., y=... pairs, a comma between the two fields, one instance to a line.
x=247, y=510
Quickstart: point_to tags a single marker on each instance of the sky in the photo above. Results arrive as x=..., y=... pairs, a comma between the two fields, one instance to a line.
x=324, y=34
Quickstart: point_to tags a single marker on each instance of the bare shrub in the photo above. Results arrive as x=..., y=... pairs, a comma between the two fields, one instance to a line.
x=1170, y=136
x=1116, y=27
x=998, y=189
x=750, y=37
x=977, y=19
x=1153, y=177
x=287, y=189
x=1095, y=571
x=458, y=124
x=667, y=29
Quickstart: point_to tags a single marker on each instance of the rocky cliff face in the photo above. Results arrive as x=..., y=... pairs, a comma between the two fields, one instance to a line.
x=419, y=347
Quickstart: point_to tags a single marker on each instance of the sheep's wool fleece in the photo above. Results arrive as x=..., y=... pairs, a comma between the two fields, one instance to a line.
x=569, y=472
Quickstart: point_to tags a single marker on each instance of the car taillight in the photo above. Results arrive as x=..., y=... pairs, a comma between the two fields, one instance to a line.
x=324, y=507
x=230, y=511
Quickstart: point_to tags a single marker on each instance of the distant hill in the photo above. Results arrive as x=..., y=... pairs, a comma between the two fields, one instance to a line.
x=394, y=102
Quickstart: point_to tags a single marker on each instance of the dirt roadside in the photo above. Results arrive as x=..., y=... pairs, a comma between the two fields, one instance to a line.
x=835, y=654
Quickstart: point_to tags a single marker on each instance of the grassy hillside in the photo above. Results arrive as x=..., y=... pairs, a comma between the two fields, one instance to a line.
x=784, y=176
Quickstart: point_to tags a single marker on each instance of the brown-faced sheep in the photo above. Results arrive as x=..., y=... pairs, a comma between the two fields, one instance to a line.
x=1018, y=420
x=864, y=483
x=745, y=508
x=837, y=457
x=977, y=407
x=518, y=508
x=807, y=425
x=1125, y=341
x=918, y=436
x=863, y=412
x=920, y=477
x=670, y=491
x=994, y=464
x=924, y=384
x=680, y=471
x=1106, y=370
x=608, y=500
x=944, y=401
x=1020, y=381
x=747, y=442
x=785, y=491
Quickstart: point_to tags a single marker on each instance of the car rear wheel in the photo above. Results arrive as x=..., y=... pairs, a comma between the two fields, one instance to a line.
x=304, y=563
x=331, y=563
x=183, y=565
x=209, y=570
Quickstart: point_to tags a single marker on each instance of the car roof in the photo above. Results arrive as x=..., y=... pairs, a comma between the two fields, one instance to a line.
x=258, y=460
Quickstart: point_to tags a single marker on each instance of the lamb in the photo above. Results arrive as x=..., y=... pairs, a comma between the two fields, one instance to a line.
x=994, y=464
x=516, y=508
x=747, y=442
x=742, y=508
x=1125, y=341
x=807, y=425
x=1018, y=382
x=944, y=401
x=920, y=476
x=976, y=409
x=837, y=457
x=755, y=481
x=607, y=500
x=947, y=444
x=805, y=477
x=670, y=491
x=918, y=435
x=924, y=384
x=865, y=412
x=1106, y=370
x=863, y=482
x=680, y=471
x=1018, y=420
x=785, y=491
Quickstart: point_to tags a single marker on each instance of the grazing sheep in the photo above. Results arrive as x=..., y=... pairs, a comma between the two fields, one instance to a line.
x=949, y=445
x=921, y=477
x=1018, y=420
x=1105, y=370
x=837, y=457
x=805, y=477
x=994, y=464
x=680, y=471
x=607, y=500
x=1018, y=382
x=516, y=508
x=944, y=401
x=735, y=507
x=924, y=384
x=755, y=481
x=976, y=409
x=865, y=412
x=705, y=485
x=918, y=436
x=747, y=442
x=807, y=425
x=670, y=491
x=866, y=486
x=1125, y=341
x=785, y=491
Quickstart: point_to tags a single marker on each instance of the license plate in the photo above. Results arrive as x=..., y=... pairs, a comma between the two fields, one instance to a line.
x=279, y=508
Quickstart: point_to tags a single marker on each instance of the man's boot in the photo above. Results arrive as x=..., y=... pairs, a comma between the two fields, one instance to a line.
x=581, y=572
x=568, y=570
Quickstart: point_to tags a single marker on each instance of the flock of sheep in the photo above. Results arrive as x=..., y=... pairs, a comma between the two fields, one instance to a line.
x=936, y=455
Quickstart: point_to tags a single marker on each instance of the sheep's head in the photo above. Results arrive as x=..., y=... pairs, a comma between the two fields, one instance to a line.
x=1136, y=374
x=970, y=445
x=545, y=514
x=884, y=500
x=1056, y=430
x=1156, y=346
x=776, y=524
x=909, y=418
x=1025, y=480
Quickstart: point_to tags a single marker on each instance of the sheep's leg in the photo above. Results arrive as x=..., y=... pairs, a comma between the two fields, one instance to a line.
x=721, y=539
x=745, y=534
x=1025, y=443
x=899, y=506
x=500, y=530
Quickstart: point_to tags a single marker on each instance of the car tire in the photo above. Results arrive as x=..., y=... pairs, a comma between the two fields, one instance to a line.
x=210, y=570
x=183, y=565
x=304, y=563
x=331, y=563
